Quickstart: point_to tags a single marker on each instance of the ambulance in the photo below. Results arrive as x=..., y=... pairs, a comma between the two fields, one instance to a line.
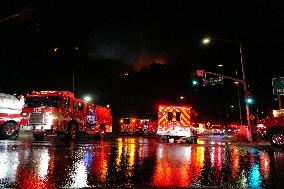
x=175, y=123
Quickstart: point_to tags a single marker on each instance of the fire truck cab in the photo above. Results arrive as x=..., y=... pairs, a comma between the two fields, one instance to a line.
x=133, y=125
x=59, y=112
x=10, y=113
x=174, y=122
x=272, y=128
x=137, y=126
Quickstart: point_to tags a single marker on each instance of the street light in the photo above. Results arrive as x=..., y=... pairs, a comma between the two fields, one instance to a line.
x=206, y=41
x=87, y=98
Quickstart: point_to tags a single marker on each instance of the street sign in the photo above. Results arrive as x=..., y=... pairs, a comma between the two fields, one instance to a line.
x=278, y=86
x=215, y=81
x=200, y=73
x=252, y=117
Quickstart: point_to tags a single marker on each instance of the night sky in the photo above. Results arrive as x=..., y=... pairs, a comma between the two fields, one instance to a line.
x=158, y=43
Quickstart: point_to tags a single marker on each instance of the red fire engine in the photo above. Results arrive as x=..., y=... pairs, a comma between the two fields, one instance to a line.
x=174, y=122
x=59, y=112
x=273, y=128
x=139, y=126
x=10, y=112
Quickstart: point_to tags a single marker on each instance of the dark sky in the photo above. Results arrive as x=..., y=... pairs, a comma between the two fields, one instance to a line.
x=156, y=42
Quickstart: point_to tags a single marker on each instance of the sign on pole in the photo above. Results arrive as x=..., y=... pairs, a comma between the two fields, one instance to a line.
x=278, y=86
x=251, y=117
x=215, y=81
x=200, y=73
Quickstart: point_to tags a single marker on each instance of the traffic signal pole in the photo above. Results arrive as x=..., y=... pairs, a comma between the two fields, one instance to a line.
x=243, y=81
x=224, y=76
x=246, y=95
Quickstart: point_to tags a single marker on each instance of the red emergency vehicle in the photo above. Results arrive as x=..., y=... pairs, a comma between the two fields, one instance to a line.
x=59, y=112
x=10, y=113
x=152, y=127
x=175, y=122
x=137, y=126
x=272, y=128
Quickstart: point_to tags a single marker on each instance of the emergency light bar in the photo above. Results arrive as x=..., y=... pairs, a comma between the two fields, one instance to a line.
x=67, y=93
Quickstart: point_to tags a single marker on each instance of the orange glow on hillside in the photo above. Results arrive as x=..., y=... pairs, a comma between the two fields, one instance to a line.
x=145, y=60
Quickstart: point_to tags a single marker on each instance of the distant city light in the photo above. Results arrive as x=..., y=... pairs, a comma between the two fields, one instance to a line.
x=181, y=97
x=232, y=106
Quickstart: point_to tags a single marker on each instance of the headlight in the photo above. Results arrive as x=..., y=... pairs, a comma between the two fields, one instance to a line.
x=49, y=118
x=261, y=126
x=48, y=113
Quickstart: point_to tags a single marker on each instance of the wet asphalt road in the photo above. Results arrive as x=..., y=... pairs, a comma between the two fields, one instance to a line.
x=139, y=162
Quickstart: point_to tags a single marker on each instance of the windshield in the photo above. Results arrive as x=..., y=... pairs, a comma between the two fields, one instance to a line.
x=46, y=101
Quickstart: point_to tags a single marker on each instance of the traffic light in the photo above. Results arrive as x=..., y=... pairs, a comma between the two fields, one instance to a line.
x=195, y=82
x=194, y=79
x=249, y=100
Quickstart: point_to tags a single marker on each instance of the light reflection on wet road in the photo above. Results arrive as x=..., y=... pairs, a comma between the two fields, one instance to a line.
x=138, y=161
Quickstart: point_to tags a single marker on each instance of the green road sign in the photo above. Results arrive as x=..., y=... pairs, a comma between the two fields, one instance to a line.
x=278, y=86
x=215, y=81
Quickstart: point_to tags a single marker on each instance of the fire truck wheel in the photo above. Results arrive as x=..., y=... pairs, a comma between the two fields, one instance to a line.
x=72, y=132
x=9, y=131
x=38, y=137
x=277, y=138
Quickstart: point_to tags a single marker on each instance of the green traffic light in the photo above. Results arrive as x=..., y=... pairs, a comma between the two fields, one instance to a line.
x=249, y=100
x=195, y=82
